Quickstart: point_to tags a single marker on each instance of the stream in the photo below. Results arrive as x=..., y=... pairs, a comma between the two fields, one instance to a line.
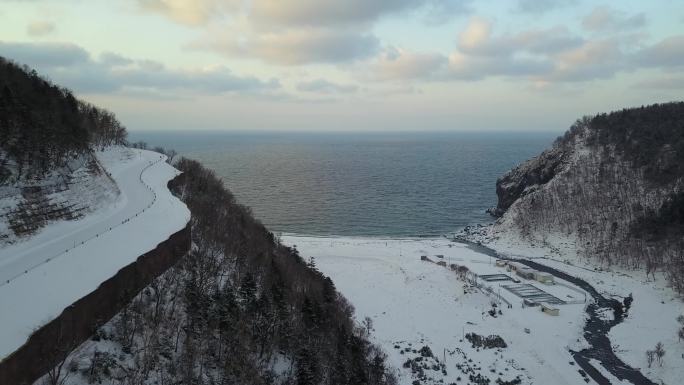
x=595, y=330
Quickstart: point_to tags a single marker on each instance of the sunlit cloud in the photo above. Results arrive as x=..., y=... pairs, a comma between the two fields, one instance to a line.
x=40, y=28
x=400, y=54
x=293, y=46
x=399, y=64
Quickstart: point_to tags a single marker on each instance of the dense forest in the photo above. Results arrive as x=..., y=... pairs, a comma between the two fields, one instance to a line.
x=43, y=126
x=260, y=301
x=615, y=182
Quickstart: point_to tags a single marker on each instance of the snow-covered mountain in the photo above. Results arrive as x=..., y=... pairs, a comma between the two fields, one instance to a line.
x=613, y=185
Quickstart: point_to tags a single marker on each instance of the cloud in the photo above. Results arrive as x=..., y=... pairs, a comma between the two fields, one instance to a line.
x=73, y=67
x=113, y=59
x=327, y=12
x=477, y=39
x=466, y=67
x=194, y=13
x=398, y=64
x=44, y=54
x=669, y=52
x=608, y=19
x=662, y=83
x=40, y=28
x=476, y=34
x=441, y=11
x=541, y=56
x=592, y=60
x=326, y=87
x=543, y=6
x=292, y=32
x=295, y=46
x=282, y=13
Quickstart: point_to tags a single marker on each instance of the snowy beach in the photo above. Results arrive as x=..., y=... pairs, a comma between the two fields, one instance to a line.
x=415, y=304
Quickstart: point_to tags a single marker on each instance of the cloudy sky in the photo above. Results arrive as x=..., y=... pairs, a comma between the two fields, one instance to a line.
x=362, y=65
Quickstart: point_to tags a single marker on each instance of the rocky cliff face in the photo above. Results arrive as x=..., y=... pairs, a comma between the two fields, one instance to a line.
x=614, y=183
x=528, y=177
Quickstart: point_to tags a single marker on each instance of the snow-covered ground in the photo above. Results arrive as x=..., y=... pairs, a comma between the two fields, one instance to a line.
x=414, y=303
x=653, y=313
x=66, y=260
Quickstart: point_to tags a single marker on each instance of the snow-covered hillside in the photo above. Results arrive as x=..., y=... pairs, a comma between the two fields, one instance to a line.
x=68, y=192
x=414, y=303
x=64, y=261
x=652, y=315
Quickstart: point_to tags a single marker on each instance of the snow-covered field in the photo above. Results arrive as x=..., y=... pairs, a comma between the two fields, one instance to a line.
x=66, y=260
x=413, y=303
x=651, y=319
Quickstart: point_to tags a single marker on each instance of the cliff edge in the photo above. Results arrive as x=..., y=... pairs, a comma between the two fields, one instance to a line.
x=613, y=184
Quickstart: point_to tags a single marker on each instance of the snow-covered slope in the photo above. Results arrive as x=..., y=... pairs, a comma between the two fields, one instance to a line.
x=604, y=204
x=66, y=260
x=413, y=303
x=68, y=192
x=652, y=315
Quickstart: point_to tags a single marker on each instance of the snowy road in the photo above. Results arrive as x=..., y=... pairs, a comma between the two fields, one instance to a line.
x=69, y=259
x=136, y=196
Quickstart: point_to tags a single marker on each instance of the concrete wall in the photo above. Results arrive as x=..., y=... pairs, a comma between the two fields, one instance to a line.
x=51, y=343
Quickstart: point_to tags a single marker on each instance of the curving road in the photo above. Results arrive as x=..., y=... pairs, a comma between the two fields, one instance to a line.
x=69, y=259
x=136, y=197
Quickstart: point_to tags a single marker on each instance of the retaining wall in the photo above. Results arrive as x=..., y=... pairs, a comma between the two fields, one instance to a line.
x=49, y=345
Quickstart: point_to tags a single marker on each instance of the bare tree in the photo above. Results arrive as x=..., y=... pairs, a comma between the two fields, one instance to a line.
x=650, y=357
x=660, y=353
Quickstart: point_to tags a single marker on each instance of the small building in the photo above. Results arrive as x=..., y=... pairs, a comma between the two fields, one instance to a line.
x=542, y=277
x=548, y=309
x=440, y=256
x=425, y=258
x=500, y=263
x=515, y=266
x=525, y=272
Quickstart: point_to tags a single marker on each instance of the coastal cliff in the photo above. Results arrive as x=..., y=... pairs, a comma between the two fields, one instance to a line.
x=613, y=184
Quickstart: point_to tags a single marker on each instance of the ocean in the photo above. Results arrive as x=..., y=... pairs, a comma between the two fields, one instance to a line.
x=370, y=184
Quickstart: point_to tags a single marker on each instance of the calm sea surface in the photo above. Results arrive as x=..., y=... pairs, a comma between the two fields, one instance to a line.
x=360, y=184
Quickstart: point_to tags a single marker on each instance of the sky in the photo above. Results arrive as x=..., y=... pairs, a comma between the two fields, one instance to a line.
x=353, y=65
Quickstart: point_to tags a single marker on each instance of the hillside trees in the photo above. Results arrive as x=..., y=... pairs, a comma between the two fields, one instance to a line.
x=619, y=191
x=239, y=309
x=281, y=308
x=43, y=125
